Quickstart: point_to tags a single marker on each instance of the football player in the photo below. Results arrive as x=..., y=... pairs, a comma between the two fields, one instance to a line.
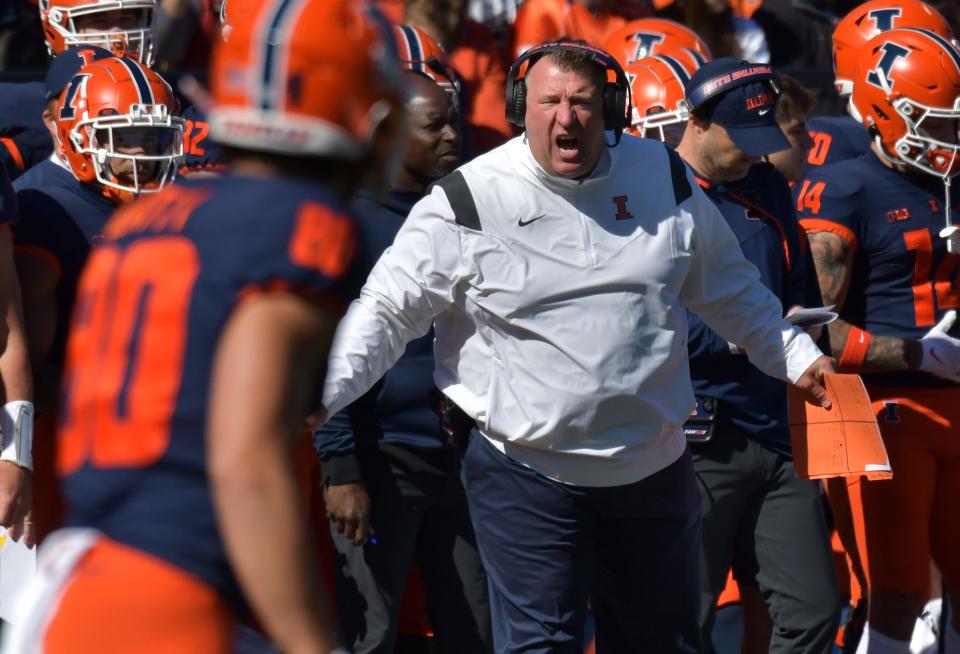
x=202, y=327
x=877, y=227
x=649, y=36
x=659, y=107
x=16, y=386
x=842, y=137
x=793, y=110
x=55, y=171
x=117, y=133
x=123, y=27
x=420, y=53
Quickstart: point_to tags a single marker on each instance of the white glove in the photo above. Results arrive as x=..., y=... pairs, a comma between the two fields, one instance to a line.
x=952, y=234
x=941, y=352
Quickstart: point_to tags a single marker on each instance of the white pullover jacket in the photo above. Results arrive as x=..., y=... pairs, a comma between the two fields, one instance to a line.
x=560, y=324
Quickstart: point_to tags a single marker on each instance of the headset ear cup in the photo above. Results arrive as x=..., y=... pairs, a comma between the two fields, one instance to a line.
x=519, y=102
x=614, y=106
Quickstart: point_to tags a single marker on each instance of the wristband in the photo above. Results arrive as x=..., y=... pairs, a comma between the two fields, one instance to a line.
x=16, y=422
x=855, y=350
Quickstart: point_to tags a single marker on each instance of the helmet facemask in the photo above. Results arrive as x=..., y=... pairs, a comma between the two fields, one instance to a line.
x=136, y=42
x=134, y=153
x=667, y=126
x=918, y=148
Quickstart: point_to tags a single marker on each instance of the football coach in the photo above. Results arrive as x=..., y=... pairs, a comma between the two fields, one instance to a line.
x=557, y=269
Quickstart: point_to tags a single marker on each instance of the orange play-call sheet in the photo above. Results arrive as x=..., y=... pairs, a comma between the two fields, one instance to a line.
x=841, y=441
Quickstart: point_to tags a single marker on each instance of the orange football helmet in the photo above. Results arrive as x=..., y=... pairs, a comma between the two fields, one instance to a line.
x=871, y=18
x=124, y=27
x=117, y=126
x=421, y=53
x=307, y=78
x=649, y=36
x=908, y=81
x=657, y=84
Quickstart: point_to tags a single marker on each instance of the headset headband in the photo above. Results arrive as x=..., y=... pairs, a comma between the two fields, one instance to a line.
x=599, y=57
x=617, y=98
x=729, y=80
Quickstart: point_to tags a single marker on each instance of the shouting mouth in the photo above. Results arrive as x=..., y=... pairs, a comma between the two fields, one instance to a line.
x=568, y=144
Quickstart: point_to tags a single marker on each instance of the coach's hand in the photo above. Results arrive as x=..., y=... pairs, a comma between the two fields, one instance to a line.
x=811, y=381
x=348, y=506
x=318, y=418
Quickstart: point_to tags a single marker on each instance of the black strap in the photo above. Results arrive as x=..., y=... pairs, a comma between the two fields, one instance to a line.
x=678, y=175
x=461, y=200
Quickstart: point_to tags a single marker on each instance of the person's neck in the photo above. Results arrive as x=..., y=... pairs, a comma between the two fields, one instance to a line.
x=407, y=183
x=689, y=152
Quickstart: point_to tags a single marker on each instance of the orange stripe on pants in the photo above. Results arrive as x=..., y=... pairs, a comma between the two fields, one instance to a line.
x=119, y=599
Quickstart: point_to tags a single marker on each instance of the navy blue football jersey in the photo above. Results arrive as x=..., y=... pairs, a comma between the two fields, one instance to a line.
x=45, y=174
x=835, y=138
x=24, y=139
x=759, y=211
x=60, y=224
x=200, y=153
x=903, y=277
x=152, y=304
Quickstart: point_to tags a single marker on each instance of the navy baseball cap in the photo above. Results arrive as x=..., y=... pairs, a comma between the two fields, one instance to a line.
x=741, y=97
x=67, y=64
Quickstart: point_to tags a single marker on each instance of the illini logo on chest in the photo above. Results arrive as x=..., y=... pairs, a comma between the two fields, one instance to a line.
x=621, y=202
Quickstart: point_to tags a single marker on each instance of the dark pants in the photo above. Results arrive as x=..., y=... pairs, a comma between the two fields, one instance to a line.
x=419, y=515
x=769, y=524
x=549, y=547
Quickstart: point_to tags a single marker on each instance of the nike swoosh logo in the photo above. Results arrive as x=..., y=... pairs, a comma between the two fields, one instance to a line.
x=763, y=112
x=523, y=223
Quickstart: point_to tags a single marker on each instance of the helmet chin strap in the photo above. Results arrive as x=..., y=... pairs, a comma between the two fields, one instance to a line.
x=950, y=231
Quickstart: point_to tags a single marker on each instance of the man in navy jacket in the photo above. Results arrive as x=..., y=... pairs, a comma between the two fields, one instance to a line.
x=391, y=484
x=757, y=514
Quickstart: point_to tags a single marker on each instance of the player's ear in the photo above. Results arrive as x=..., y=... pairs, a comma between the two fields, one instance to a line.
x=58, y=146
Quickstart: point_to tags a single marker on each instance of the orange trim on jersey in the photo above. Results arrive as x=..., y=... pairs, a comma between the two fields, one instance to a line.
x=855, y=350
x=14, y=151
x=44, y=255
x=823, y=225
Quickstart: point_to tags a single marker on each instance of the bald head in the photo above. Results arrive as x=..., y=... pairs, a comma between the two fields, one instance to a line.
x=433, y=143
